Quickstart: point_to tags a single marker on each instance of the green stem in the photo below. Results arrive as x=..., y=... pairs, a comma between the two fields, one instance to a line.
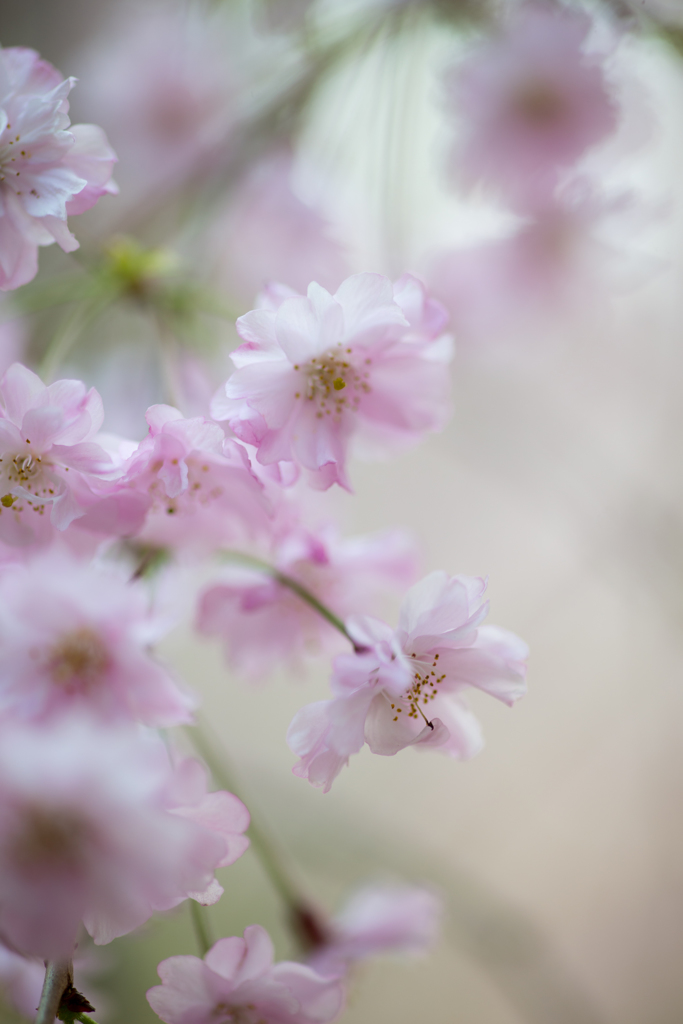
x=68, y=334
x=260, y=842
x=201, y=927
x=294, y=586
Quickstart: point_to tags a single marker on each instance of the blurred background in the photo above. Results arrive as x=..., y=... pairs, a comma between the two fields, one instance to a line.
x=299, y=141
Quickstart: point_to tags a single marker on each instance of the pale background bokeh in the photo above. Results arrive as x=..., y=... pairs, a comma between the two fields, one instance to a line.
x=558, y=849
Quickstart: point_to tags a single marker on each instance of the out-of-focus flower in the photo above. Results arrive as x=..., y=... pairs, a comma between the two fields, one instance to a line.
x=532, y=102
x=379, y=919
x=197, y=486
x=318, y=370
x=77, y=636
x=48, y=459
x=564, y=257
x=238, y=981
x=404, y=688
x=165, y=92
x=48, y=169
x=96, y=826
x=262, y=623
x=270, y=234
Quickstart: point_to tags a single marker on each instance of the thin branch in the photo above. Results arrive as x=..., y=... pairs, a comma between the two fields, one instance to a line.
x=295, y=587
x=58, y=977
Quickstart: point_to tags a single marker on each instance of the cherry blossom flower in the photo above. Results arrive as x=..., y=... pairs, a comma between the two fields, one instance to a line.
x=238, y=981
x=404, y=688
x=77, y=636
x=197, y=487
x=379, y=919
x=49, y=462
x=263, y=623
x=533, y=101
x=317, y=370
x=47, y=168
x=96, y=826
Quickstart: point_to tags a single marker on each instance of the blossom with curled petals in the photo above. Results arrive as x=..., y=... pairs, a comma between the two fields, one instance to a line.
x=50, y=466
x=404, y=687
x=48, y=167
x=237, y=981
x=318, y=370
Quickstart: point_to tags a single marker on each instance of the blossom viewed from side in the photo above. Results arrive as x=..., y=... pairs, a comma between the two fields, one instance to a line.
x=318, y=370
x=197, y=486
x=48, y=167
x=75, y=635
x=48, y=458
x=97, y=827
x=532, y=101
x=237, y=981
x=404, y=687
x=263, y=624
x=379, y=919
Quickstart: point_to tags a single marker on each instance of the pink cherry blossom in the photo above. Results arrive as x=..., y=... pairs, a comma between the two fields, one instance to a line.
x=404, y=688
x=238, y=981
x=196, y=486
x=264, y=624
x=318, y=370
x=97, y=826
x=49, y=462
x=77, y=636
x=379, y=919
x=533, y=101
x=47, y=168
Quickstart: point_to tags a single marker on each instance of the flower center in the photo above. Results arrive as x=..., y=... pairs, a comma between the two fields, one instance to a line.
x=333, y=383
x=48, y=838
x=79, y=660
x=11, y=155
x=222, y=1013
x=424, y=688
x=538, y=102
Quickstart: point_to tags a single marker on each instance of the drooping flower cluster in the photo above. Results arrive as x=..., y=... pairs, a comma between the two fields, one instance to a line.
x=48, y=168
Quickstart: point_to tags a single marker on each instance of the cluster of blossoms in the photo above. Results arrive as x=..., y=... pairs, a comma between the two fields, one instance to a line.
x=103, y=820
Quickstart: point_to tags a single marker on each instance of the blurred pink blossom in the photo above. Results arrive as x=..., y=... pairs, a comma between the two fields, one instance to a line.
x=263, y=624
x=237, y=981
x=316, y=371
x=48, y=169
x=78, y=636
x=379, y=919
x=404, y=687
x=96, y=826
x=532, y=101
x=165, y=92
x=564, y=257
